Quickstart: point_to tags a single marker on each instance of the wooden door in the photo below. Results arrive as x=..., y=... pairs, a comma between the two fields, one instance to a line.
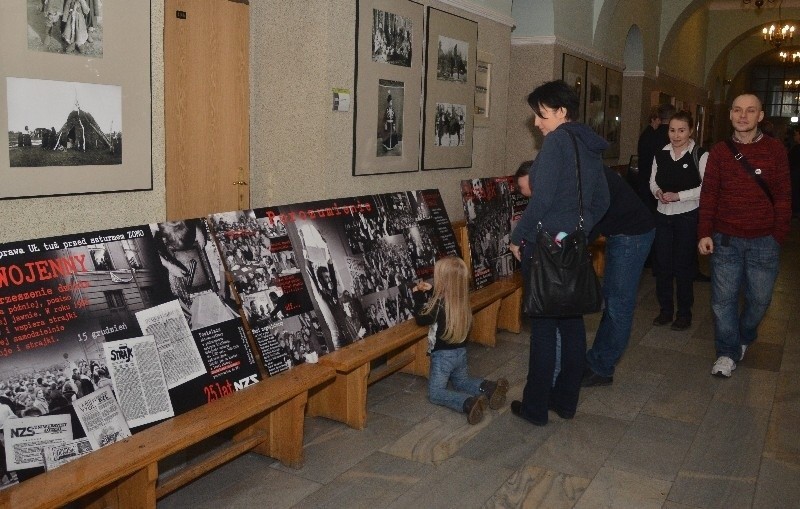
x=206, y=103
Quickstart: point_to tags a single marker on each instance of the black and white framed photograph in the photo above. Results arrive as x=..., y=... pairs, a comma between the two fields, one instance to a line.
x=449, y=89
x=613, y=115
x=58, y=123
x=451, y=60
x=595, y=97
x=66, y=26
x=573, y=72
x=66, y=117
x=391, y=38
x=450, y=120
x=390, y=118
x=386, y=128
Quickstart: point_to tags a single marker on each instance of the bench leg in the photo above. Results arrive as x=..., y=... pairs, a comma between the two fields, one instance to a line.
x=283, y=426
x=421, y=365
x=136, y=490
x=484, y=325
x=510, y=316
x=344, y=400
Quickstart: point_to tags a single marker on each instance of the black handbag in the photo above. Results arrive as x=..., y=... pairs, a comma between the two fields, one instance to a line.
x=561, y=280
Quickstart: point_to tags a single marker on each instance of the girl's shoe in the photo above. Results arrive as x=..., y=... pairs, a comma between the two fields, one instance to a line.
x=474, y=407
x=495, y=392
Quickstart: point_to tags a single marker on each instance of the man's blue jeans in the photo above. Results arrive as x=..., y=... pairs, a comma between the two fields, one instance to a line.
x=625, y=257
x=451, y=365
x=747, y=266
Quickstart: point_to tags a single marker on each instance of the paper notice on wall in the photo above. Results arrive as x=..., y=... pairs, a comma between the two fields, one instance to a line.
x=56, y=455
x=180, y=357
x=138, y=380
x=101, y=418
x=26, y=437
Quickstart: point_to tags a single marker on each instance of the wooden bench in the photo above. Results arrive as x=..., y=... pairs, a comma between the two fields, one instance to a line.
x=266, y=418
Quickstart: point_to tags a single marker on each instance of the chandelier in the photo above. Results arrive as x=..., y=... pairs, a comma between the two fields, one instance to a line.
x=786, y=57
x=777, y=34
x=758, y=3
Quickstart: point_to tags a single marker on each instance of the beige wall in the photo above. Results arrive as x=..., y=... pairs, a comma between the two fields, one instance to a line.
x=44, y=217
x=300, y=149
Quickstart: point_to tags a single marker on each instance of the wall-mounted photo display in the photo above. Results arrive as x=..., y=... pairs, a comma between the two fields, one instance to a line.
x=573, y=72
x=449, y=89
x=386, y=129
x=613, y=113
x=66, y=116
x=595, y=97
x=66, y=26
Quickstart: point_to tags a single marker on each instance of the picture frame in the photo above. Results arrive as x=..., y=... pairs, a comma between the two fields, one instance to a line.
x=449, y=111
x=388, y=69
x=50, y=85
x=573, y=72
x=613, y=113
x=595, y=97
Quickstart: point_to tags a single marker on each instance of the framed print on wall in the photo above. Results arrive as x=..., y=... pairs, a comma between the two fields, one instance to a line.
x=595, y=97
x=450, y=63
x=386, y=129
x=573, y=72
x=613, y=112
x=68, y=97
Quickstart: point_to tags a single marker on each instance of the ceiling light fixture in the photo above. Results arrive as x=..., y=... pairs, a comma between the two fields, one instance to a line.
x=777, y=34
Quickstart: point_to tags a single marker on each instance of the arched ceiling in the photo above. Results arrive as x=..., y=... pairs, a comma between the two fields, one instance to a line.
x=727, y=32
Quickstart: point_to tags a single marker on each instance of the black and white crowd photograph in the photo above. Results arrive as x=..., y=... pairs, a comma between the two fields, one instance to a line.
x=391, y=38
x=61, y=123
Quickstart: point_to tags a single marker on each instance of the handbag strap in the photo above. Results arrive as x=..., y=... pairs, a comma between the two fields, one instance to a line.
x=754, y=174
x=580, y=185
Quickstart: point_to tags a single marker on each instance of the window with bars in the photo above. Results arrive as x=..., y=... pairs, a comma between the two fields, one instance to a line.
x=778, y=87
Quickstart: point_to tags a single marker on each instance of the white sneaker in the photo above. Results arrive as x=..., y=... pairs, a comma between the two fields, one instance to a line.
x=723, y=367
x=744, y=349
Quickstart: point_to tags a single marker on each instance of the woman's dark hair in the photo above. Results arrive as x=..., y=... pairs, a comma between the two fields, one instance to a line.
x=523, y=169
x=685, y=116
x=555, y=94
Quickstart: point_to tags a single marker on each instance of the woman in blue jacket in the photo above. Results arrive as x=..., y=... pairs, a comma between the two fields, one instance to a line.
x=554, y=204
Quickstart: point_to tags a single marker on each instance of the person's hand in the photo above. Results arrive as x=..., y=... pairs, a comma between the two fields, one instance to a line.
x=515, y=251
x=422, y=286
x=705, y=246
x=670, y=197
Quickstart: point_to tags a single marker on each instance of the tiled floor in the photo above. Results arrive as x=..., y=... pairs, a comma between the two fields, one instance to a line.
x=666, y=434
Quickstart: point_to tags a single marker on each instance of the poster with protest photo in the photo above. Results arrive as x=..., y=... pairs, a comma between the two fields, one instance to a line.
x=63, y=298
x=265, y=272
x=492, y=207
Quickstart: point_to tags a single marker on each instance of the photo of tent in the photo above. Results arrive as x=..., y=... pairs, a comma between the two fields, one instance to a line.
x=82, y=132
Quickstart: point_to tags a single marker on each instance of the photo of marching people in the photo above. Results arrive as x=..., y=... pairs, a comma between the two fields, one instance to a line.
x=451, y=64
x=266, y=275
x=390, y=118
x=492, y=208
x=60, y=123
x=450, y=122
x=66, y=26
x=391, y=38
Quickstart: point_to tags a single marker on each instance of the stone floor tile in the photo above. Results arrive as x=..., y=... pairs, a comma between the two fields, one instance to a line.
x=750, y=387
x=709, y=491
x=678, y=404
x=580, y=446
x=247, y=482
x=778, y=484
x=763, y=355
x=458, y=481
x=653, y=447
x=534, y=487
x=729, y=442
x=624, y=398
x=649, y=359
x=616, y=489
x=376, y=481
x=783, y=439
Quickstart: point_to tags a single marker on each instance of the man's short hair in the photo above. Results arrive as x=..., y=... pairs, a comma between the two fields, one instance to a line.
x=665, y=112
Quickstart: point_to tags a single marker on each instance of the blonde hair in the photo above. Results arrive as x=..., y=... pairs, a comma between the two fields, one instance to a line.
x=451, y=289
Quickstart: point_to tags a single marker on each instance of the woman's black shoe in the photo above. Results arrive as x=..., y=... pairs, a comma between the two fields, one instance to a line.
x=516, y=409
